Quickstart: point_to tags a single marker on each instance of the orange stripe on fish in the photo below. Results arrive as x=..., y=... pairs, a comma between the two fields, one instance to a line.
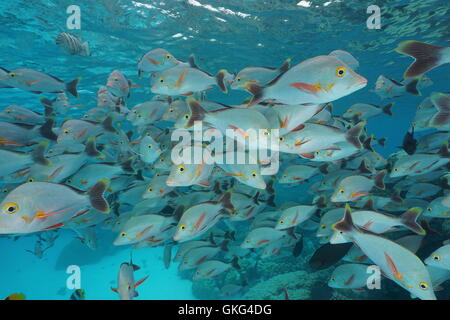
x=350, y=280
x=311, y=88
x=200, y=260
x=81, y=213
x=260, y=242
x=358, y=194
x=29, y=83
x=54, y=173
x=181, y=78
x=240, y=131
x=210, y=271
x=137, y=284
x=293, y=221
x=59, y=225
x=26, y=219
x=284, y=122
x=10, y=143
x=76, y=106
x=43, y=215
x=299, y=143
x=393, y=268
x=153, y=61
x=151, y=113
x=140, y=234
x=199, y=221
x=367, y=224
x=249, y=211
x=79, y=135
x=231, y=174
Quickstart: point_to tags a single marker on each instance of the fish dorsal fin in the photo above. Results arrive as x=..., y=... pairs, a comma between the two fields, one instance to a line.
x=369, y=205
x=192, y=62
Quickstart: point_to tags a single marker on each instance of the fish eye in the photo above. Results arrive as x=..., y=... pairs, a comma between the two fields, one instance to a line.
x=341, y=191
x=30, y=180
x=12, y=74
x=247, y=240
x=266, y=132
x=317, y=152
x=423, y=285
x=11, y=208
x=253, y=174
x=181, y=168
x=51, y=151
x=168, y=56
x=161, y=80
x=123, y=234
x=162, y=159
x=350, y=110
x=281, y=221
x=69, y=180
x=395, y=169
x=323, y=226
x=66, y=131
x=284, y=175
x=238, y=79
x=340, y=72
x=183, y=227
x=187, y=116
x=116, y=79
x=281, y=138
x=5, y=190
x=150, y=189
x=171, y=110
x=436, y=257
x=149, y=146
x=429, y=209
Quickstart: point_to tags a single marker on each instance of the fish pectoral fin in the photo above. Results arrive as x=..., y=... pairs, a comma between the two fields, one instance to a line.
x=114, y=289
x=141, y=281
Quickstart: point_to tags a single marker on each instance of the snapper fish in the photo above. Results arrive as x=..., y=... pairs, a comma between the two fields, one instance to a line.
x=294, y=216
x=200, y=218
x=298, y=173
x=349, y=276
x=187, y=80
x=196, y=256
x=317, y=80
x=396, y=262
x=18, y=114
x=72, y=45
x=38, y=82
x=39, y=206
x=356, y=186
x=387, y=88
x=420, y=163
x=311, y=137
x=156, y=60
x=12, y=161
x=118, y=85
x=213, y=268
x=366, y=110
x=261, y=237
x=258, y=75
x=126, y=285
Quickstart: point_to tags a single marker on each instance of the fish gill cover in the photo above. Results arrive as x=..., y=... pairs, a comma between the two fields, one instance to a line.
x=255, y=149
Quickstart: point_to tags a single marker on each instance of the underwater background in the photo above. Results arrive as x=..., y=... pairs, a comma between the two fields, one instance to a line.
x=228, y=34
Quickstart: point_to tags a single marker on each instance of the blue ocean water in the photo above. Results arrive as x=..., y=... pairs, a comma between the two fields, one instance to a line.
x=227, y=35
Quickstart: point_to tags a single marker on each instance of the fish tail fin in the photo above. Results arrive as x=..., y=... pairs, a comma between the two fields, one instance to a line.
x=352, y=135
x=127, y=165
x=285, y=66
x=46, y=130
x=427, y=57
x=220, y=77
x=409, y=220
x=178, y=213
x=442, y=103
x=411, y=87
x=72, y=87
x=443, y=151
x=224, y=245
x=96, y=196
x=197, y=112
x=346, y=224
x=396, y=196
x=388, y=108
x=257, y=91
x=235, y=263
x=379, y=179
x=86, y=49
x=91, y=149
x=382, y=141
x=38, y=154
x=367, y=144
x=321, y=202
x=363, y=167
x=107, y=124
x=225, y=200
x=271, y=201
